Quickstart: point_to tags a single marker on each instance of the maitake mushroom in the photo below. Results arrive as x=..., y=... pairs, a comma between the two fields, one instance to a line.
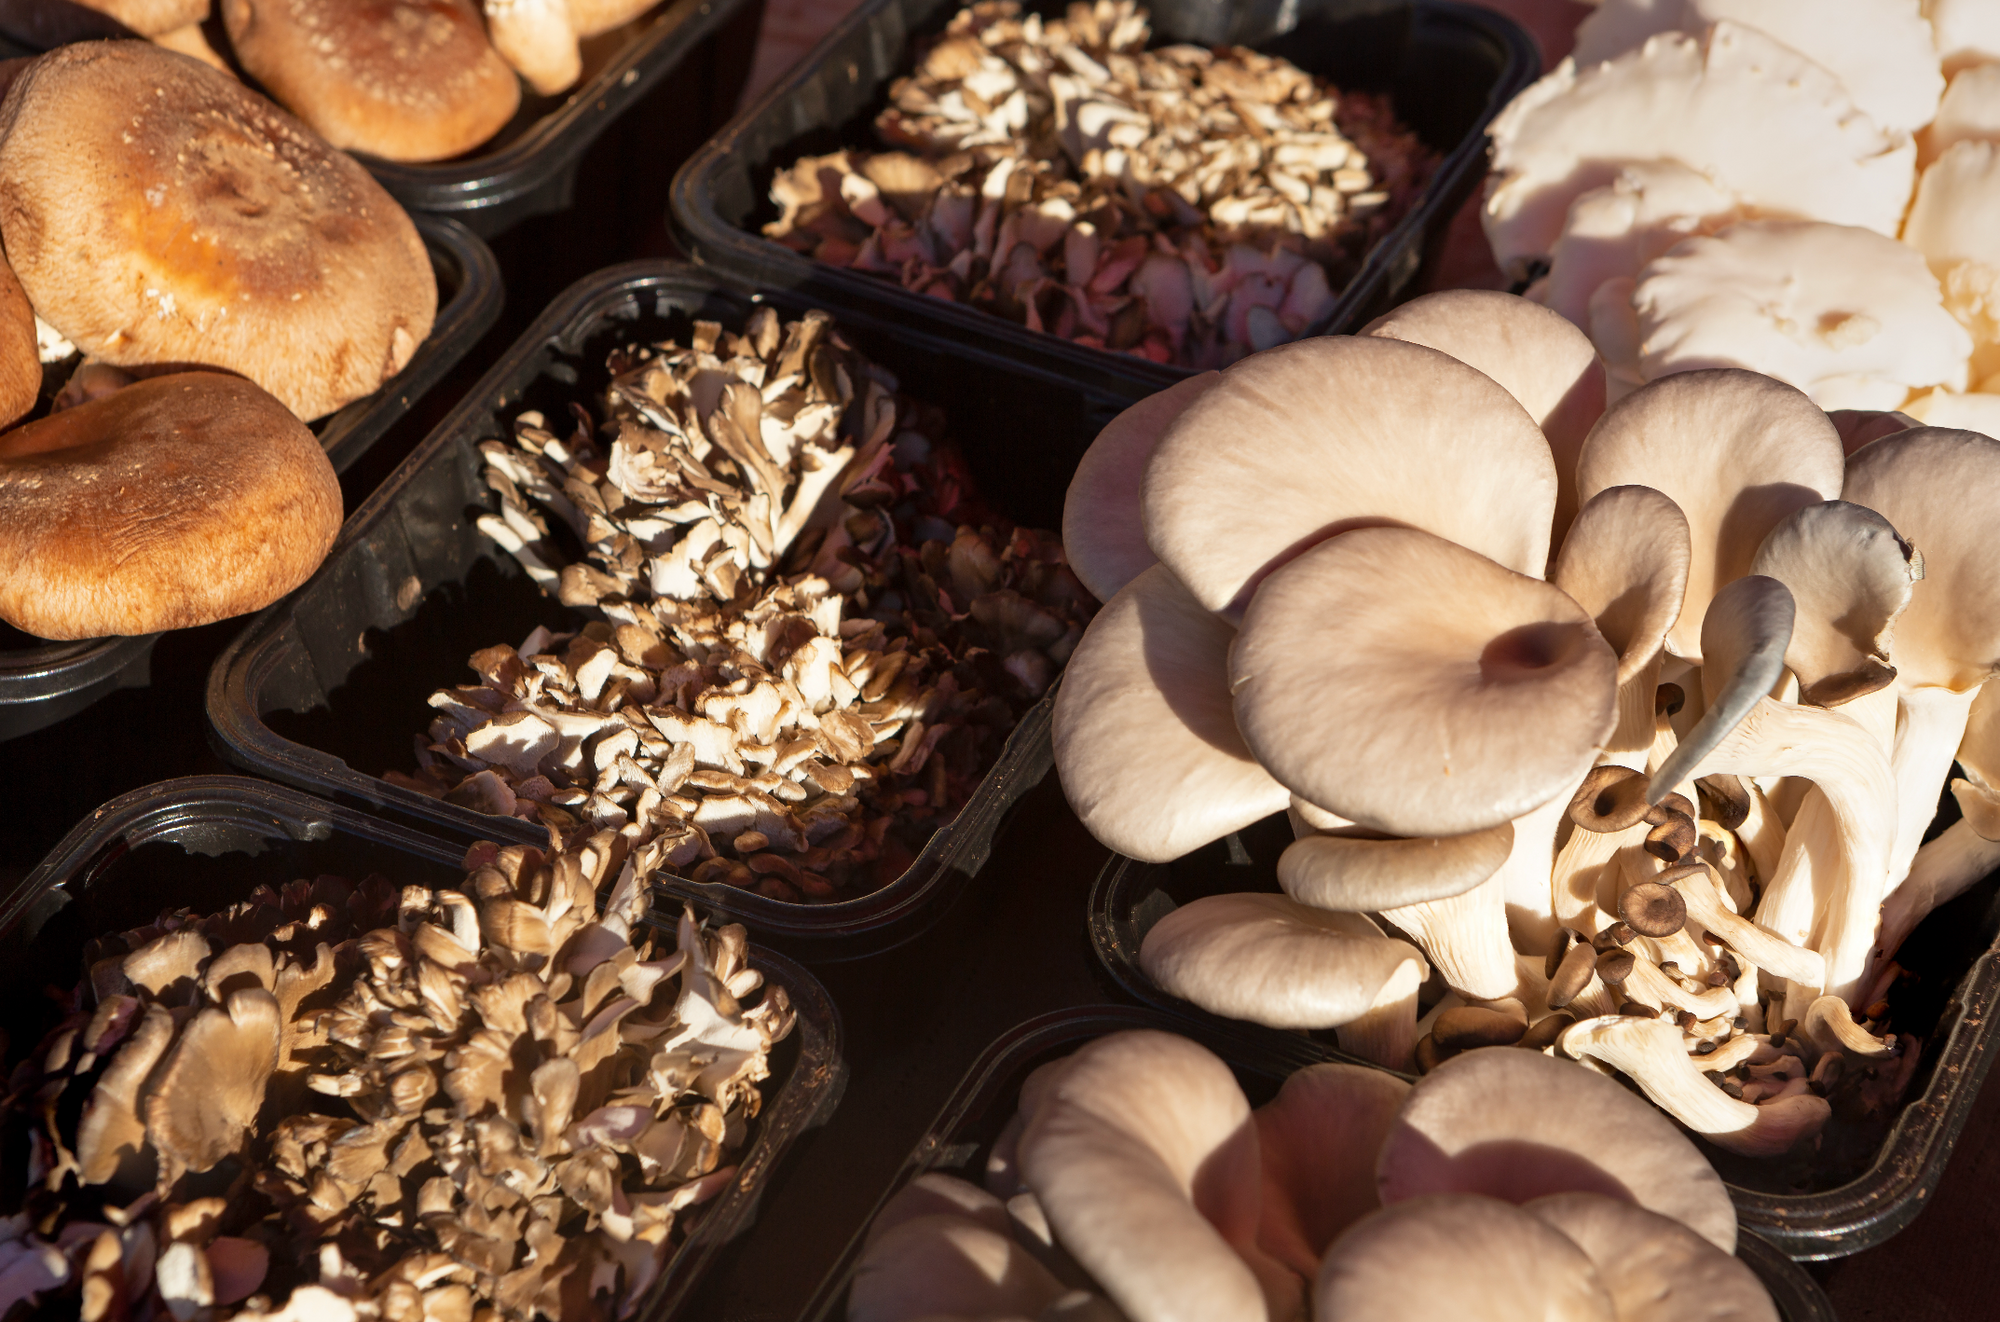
x=807, y=639
x=1180, y=204
x=1504, y=1184
x=390, y=1104
x=1645, y=811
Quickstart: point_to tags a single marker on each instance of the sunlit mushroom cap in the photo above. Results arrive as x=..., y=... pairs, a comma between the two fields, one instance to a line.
x=1941, y=491
x=1458, y=1256
x=1544, y=362
x=1519, y=1125
x=1417, y=688
x=1273, y=961
x=1625, y=561
x=1309, y=439
x=1145, y=739
x=1354, y=874
x=1657, y=1269
x=1103, y=531
x=1850, y=576
x=1736, y=451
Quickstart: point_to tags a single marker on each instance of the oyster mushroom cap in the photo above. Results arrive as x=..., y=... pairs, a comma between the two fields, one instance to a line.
x=1814, y=156
x=208, y=1091
x=1852, y=317
x=111, y=1131
x=935, y=1193
x=1392, y=432
x=1317, y=1140
x=1850, y=575
x=1882, y=51
x=1959, y=188
x=1625, y=561
x=945, y=1264
x=1548, y=365
x=1736, y=451
x=1612, y=231
x=1970, y=109
x=1857, y=427
x=1657, y=1269
x=1744, y=636
x=1968, y=32
x=1103, y=532
x=163, y=963
x=1390, y=676
x=1353, y=874
x=1520, y=1125
x=1146, y=744
x=1145, y=1160
x=1273, y=961
x=1458, y=1256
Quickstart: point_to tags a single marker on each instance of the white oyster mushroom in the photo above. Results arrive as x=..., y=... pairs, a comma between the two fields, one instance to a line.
x=1851, y=317
x=1690, y=99
x=1612, y=232
x=1656, y=1268
x=1974, y=411
x=1951, y=223
x=1970, y=109
x=1882, y=51
x=1968, y=31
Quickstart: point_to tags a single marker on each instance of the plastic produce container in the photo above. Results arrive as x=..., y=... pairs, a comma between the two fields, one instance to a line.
x=206, y=841
x=43, y=682
x=1871, y=1184
x=984, y=1101
x=326, y=689
x=1449, y=68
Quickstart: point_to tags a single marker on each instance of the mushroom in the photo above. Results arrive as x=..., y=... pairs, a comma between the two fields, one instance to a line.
x=1103, y=535
x=1273, y=961
x=946, y=1264
x=1519, y=1125
x=209, y=1089
x=1386, y=422
x=1850, y=575
x=1317, y=1140
x=1656, y=1269
x=1965, y=851
x=1145, y=740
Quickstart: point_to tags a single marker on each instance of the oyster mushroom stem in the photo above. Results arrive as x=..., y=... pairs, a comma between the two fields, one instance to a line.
x=1706, y=910
x=1465, y=937
x=1649, y=1052
x=1942, y=871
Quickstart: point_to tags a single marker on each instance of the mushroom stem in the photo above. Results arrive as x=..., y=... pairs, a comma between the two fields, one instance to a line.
x=1581, y=876
x=1649, y=1052
x=1764, y=948
x=1943, y=869
x=1762, y=834
x=1829, y=1025
x=1387, y=1034
x=1527, y=876
x=1465, y=938
x=1929, y=725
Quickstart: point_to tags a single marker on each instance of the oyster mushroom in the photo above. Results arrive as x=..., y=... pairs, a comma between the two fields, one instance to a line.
x=1655, y=1268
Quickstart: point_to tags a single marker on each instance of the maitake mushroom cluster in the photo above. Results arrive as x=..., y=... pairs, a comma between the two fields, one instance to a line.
x=331, y=1102
x=1631, y=720
x=1136, y=1182
x=1181, y=204
x=1847, y=247
x=810, y=640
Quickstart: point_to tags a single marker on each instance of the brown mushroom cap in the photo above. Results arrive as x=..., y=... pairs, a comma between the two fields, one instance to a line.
x=406, y=80
x=1103, y=532
x=1417, y=688
x=149, y=18
x=156, y=211
x=177, y=501
x=1545, y=363
x=20, y=359
x=1145, y=742
x=1735, y=451
x=1306, y=440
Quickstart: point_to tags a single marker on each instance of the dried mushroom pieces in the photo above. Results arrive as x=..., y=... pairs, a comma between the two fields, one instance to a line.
x=1181, y=204
x=1665, y=817
x=335, y=1101
x=1136, y=1181
x=809, y=641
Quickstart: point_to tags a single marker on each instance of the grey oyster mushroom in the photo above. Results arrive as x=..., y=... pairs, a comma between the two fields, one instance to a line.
x=366, y=1103
x=1181, y=204
x=1502, y=1185
x=805, y=641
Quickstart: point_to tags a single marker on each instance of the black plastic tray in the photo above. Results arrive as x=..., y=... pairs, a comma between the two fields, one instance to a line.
x=327, y=687
x=44, y=682
x=1450, y=68
x=984, y=1101
x=1950, y=1007
x=205, y=841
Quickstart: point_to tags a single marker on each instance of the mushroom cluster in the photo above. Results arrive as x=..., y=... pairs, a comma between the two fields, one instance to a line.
x=808, y=640
x=1136, y=1182
x=335, y=1102
x=1629, y=721
x=1184, y=205
x=1846, y=249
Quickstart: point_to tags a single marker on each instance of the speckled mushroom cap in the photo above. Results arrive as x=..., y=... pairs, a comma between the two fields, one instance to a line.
x=1416, y=688
x=1519, y=1125
x=406, y=80
x=175, y=502
x=156, y=211
x=1309, y=439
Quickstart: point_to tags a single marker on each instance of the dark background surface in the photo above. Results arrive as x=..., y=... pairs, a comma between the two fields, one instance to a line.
x=1011, y=947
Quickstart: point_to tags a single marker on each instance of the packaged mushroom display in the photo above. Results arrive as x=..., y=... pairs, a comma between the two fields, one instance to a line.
x=339, y=1100
x=1847, y=249
x=1182, y=204
x=801, y=640
x=1629, y=722
x=1137, y=1181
